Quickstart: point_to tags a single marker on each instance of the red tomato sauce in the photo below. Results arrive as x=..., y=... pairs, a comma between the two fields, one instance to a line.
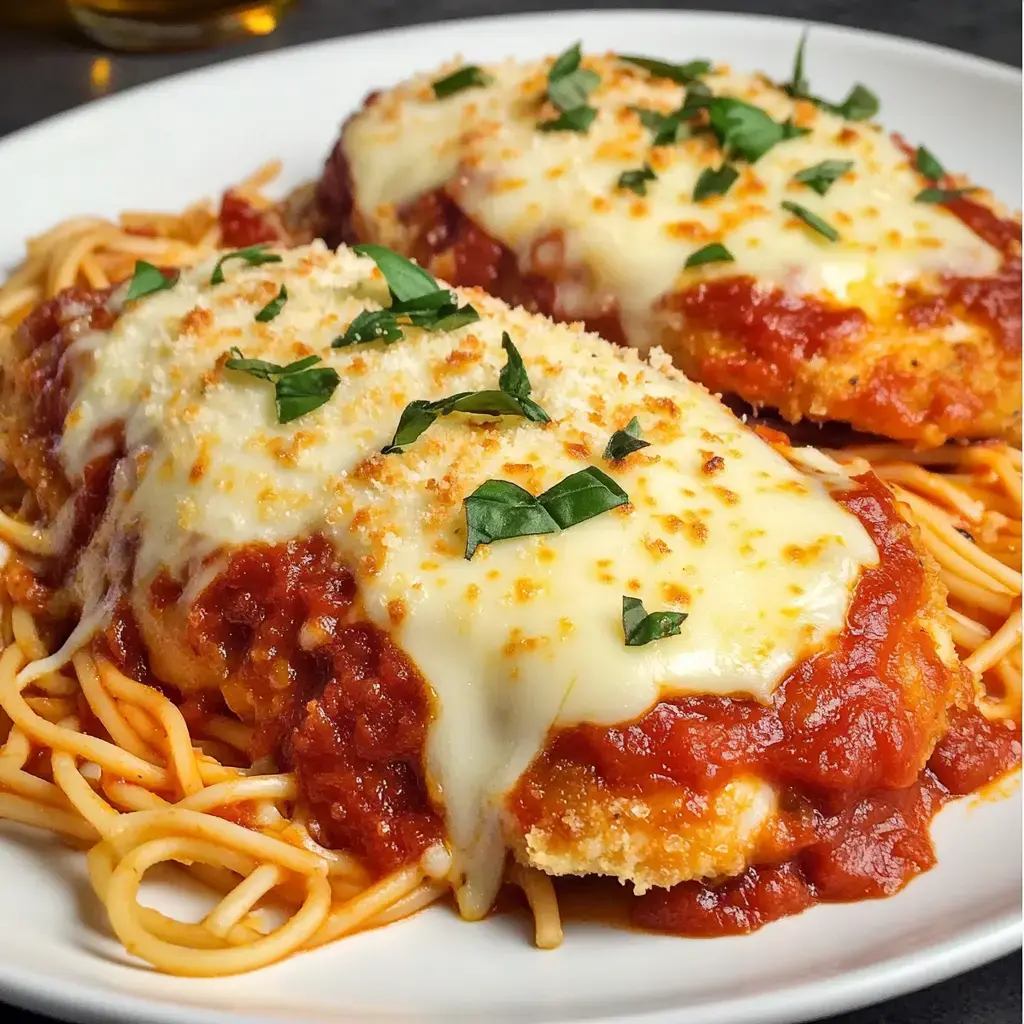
x=348, y=712
x=242, y=225
x=779, y=332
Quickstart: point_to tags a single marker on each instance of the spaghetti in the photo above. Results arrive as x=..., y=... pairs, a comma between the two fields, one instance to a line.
x=111, y=764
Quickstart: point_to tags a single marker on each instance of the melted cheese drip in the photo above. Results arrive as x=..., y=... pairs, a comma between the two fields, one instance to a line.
x=527, y=635
x=522, y=186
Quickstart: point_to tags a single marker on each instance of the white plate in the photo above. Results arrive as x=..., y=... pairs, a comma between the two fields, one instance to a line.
x=164, y=145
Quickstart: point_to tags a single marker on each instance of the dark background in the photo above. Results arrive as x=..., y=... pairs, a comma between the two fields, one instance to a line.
x=44, y=71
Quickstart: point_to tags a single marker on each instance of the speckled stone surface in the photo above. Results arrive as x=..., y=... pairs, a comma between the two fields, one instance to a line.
x=43, y=74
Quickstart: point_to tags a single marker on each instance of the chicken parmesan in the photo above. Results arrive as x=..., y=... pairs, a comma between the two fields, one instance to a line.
x=779, y=247
x=478, y=596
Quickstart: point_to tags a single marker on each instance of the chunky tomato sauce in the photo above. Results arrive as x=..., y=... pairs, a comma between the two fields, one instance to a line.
x=844, y=740
x=241, y=224
x=333, y=699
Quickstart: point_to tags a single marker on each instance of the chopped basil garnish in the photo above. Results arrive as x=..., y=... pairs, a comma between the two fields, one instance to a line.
x=501, y=510
x=582, y=496
x=667, y=128
x=624, y=442
x=792, y=131
x=698, y=97
x=416, y=300
x=514, y=381
x=464, y=78
x=812, y=220
x=861, y=104
x=670, y=128
x=641, y=628
x=569, y=85
x=578, y=120
x=254, y=255
x=298, y=389
x=713, y=252
x=148, y=279
x=513, y=399
x=636, y=181
x=370, y=325
x=681, y=73
x=405, y=279
x=714, y=182
x=743, y=129
x=821, y=177
x=941, y=195
x=273, y=307
x=798, y=84
x=928, y=165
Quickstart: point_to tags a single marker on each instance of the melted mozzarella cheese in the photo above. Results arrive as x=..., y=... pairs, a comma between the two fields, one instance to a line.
x=527, y=635
x=523, y=186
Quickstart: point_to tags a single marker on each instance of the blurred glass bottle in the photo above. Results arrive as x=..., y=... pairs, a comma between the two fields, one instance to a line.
x=174, y=24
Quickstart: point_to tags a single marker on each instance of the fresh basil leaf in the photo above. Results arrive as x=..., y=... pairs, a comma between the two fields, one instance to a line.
x=942, y=195
x=148, y=279
x=681, y=73
x=511, y=400
x=928, y=165
x=792, y=131
x=812, y=220
x=428, y=303
x=714, y=182
x=578, y=120
x=636, y=181
x=295, y=394
x=273, y=307
x=513, y=379
x=405, y=279
x=566, y=63
x=743, y=129
x=640, y=627
x=624, y=442
x=569, y=85
x=501, y=510
x=254, y=255
x=572, y=91
x=415, y=298
x=798, y=84
x=821, y=177
x=254, y=367
x=464, y=78
x=582, y=496
x=698, y=97
x=416, y=417
x=458, y=318
x=297, y=388
x=419, y=415
x=370, y=325
x=667, y=128
x=861, y=104
x=713, y=252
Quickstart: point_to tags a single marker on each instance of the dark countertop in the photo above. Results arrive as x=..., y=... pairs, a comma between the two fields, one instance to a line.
x=44, y=73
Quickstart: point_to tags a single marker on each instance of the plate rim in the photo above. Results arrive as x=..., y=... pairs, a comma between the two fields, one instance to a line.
x=980, y=944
